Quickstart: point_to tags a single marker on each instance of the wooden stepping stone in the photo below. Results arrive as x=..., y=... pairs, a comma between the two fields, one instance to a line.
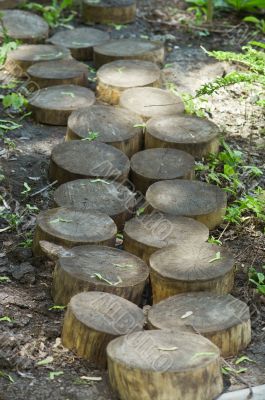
x=112, y=198
x=20, y=59
x=80, y=41
x=53, y=105
x=5, y=4
x=191, y=267
x=124, y=49
x=79, y=159
x=164, y=365
x=199, y=200
x=145, y=234
x=194, y=135
x=61, y=72
x=148, y=102
x=152, y=165
x=71, y=228
x=101, y=269
x=223, y=319
x=93, y=319
x=117, y=76
x=24, y=26
x=108, y=11
x=114, y=126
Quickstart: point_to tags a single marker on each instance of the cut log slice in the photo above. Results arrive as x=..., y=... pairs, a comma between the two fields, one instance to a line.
x=117, y=76
x=108, y=197
x=54, y=104
x=93, y=319
x=80, y=41
x=5, y=4
x=101, y=269
x=108, y=11
x=153, y=165
x=82, y=159
x=114, y=126
x=71, y=228
x=61, y=72
x=223, y=319
x=149, y=102
x=191, y=267
x=197, y=136
x=145, y=234
x=199, y=200
x=124, y=49
x=164, y=365
x=19, y=60
x=24, y=26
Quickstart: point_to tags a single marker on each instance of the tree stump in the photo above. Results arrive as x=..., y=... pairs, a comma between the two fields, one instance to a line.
x=114, y=126
x=108, y=11
x=53, y=105
x=19, y=60
x=191, y=267
x=80, y=41
x=124, y=49
x=93, y=319
x=24, y=26
x=145, y=234
x=223, y=319
x=117, y=76
x=194, y=135
x=82, y=159
x=153, y=165
x=5, y=4
x=101, y=269
x=199, y=200
x=61, y=72
x=148, y=102
x=112, y=198
x=164, y=365
x=71, y=228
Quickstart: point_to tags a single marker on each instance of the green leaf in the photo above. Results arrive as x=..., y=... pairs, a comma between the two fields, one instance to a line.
x=242, y=359
x=68, y=94
x=101, y=278
x=7, y=376
x=252, y=19
x=57, y=220
x=27, y=188
x=5, y=319
x=54, y=374
x=60, y=308
x=123, y=266
x=46, y=361
x=99, y=180
x=216, y=258
x=4, y=279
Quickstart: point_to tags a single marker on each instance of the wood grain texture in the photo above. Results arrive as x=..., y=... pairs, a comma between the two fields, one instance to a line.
x=199, y=200
x=194, y=135
x=145, y=234
x=108, y=11
x=191, y=267
x=164, y=365
x=71, y=228
x=108, y=197
x=101, y=269
x=223, y=319
x=119, y=128
x=93, y=319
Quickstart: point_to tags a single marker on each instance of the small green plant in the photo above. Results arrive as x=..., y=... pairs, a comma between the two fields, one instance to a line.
x=57, y=308
x=245, y=5
x=258, y=279
x=6, y=376
x=259, y=23
x=91, y=136
x=55, y=374
x=14, y=100
x=26, y=189
x=54, y=14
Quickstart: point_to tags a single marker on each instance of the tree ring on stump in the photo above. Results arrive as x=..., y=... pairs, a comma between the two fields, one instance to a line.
x=108, y=11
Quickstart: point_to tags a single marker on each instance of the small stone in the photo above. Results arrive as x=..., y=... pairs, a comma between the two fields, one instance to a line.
x=24, y=272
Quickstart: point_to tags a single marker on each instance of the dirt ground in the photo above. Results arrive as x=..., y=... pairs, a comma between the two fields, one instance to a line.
x=33, y=333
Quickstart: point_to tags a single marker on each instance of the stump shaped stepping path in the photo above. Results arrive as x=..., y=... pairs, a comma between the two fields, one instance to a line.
x=24, y=25
x=223, y=319
x=199, y=200
x=194, y=135
x=115, y=77
x=108, y=197
x=71, y=228
x=20, y=59
x=191, y=267
x=114, y=126
x=124, y=49
x=145, y=234
x=164, y=365
x=60, y=72
x=79, y=159
x=101, y=269
x=54, y=104
x=80, y=41
x=152, y=165
x=93, y=319
x=108, y=11
x=149, y=102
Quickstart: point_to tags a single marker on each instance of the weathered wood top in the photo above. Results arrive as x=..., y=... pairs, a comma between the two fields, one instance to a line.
x=59, y=69
x=38, y=52
x=79, y=38
x=127, y=47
